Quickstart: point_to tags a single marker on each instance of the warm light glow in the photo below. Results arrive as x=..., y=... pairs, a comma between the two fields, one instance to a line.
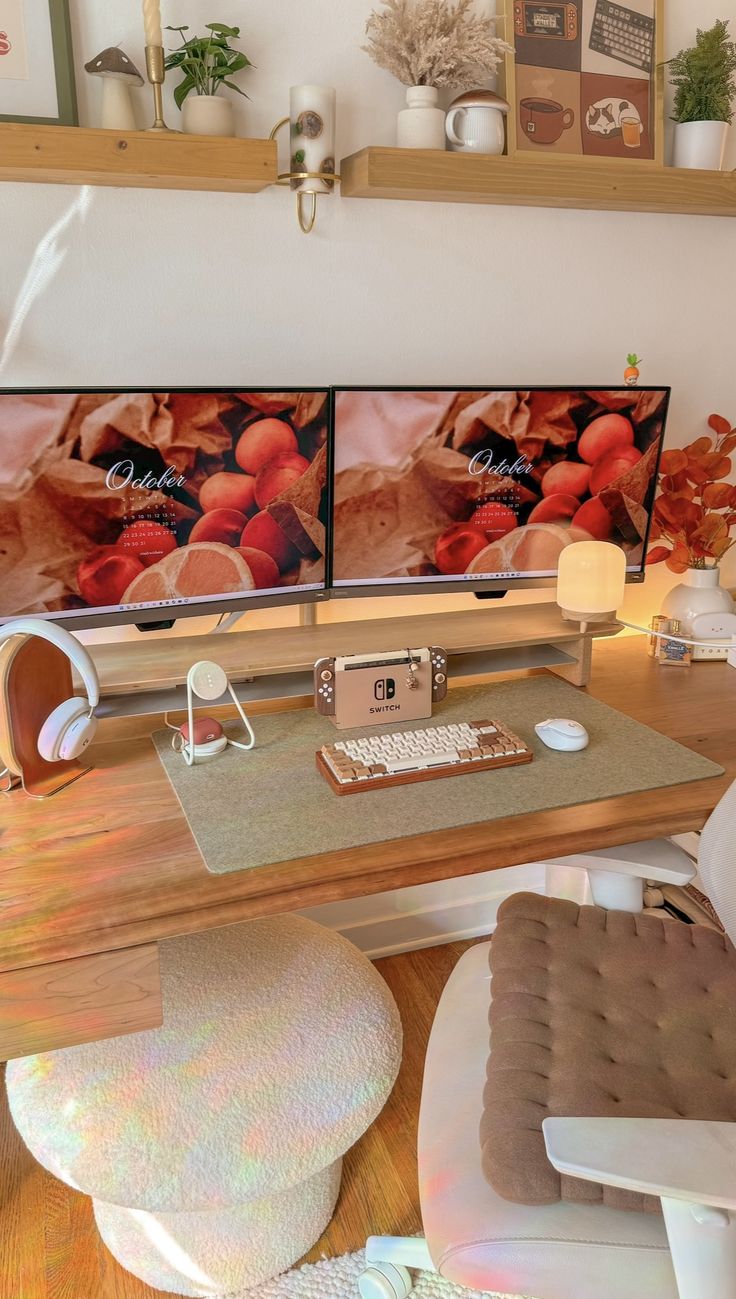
x=591, y=581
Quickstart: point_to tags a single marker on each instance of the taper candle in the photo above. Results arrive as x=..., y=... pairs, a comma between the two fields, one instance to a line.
x=152, y=22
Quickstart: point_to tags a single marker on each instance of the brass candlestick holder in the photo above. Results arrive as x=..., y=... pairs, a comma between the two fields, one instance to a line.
x=156, y=73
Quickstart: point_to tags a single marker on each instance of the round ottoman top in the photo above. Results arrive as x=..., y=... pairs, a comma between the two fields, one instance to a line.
x=280, y=1045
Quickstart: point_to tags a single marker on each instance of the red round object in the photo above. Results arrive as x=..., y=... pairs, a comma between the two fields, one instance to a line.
x=220, y=525
x=263, y=440
x=613, y=466
x=205, y=730
x=264, y=568
x=263, y=533
x=456, y=547
x=106, y=574
x=605, y=434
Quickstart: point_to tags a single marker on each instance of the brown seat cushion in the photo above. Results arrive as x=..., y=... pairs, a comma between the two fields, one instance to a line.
x=600, y=1014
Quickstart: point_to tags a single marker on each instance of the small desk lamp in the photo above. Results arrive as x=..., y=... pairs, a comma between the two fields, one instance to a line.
x=591, y=581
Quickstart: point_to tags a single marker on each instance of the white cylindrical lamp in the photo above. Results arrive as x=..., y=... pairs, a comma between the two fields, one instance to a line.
x=591, y=580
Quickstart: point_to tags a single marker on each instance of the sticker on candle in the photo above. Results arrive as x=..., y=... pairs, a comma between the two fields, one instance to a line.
x=312, y=116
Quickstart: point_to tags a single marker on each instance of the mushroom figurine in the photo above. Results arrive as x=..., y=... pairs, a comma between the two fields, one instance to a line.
x=118, y=74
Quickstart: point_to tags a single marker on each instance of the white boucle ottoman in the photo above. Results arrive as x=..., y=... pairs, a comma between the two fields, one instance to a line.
x=211, y=1146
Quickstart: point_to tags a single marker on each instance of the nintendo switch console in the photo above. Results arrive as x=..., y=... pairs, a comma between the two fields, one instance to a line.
x=397, y=686
x=552, y=21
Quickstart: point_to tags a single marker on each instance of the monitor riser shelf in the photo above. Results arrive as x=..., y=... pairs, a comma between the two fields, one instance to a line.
x=268, y=666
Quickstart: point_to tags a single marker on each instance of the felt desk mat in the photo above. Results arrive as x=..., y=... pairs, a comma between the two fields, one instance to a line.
x=271, y=804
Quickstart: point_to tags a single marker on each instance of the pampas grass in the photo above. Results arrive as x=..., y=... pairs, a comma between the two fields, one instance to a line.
x=434, y=42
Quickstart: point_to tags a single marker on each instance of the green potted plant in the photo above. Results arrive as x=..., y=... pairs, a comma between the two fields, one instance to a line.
x=703, y=78
x=207, y=63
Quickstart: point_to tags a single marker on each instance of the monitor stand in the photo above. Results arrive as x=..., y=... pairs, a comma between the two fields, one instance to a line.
x=272, y=664
x=490, y=595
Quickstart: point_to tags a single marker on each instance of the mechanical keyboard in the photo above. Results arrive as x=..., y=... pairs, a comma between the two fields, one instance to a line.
x=380, y=761
x=623, y=34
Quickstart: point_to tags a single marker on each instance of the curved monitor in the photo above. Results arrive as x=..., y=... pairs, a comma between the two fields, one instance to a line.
x=136, y=506
x=439, y=489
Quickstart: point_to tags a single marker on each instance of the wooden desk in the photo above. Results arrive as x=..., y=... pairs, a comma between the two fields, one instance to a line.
x=109, y=867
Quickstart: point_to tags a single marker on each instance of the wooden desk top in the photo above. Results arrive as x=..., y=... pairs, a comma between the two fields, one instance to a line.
x=110, y=862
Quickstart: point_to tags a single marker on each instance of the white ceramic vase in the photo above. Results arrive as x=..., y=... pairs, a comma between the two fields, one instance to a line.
x=207, y=115
x=699, y=592
x=700, y=144
x=421, y=125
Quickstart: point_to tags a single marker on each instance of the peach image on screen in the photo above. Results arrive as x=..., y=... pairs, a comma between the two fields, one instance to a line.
x=262, y=441
x=263, y=533
x=265, y=570
x=225, y=491
x=277, y=475
x=219, y=525
x=105, y=574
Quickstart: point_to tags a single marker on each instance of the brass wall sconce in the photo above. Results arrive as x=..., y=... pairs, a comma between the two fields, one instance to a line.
x=311, y=171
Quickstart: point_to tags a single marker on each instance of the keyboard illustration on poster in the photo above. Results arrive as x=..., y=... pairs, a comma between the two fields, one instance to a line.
x=623, y=34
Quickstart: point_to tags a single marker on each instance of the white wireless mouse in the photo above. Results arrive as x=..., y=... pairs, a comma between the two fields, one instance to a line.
x=563, y=735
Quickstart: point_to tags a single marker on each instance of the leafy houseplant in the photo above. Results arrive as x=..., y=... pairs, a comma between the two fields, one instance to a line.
x=694, y=517
x=695, y=510
x=703, y=79
x=207, y=63
x=427, y=44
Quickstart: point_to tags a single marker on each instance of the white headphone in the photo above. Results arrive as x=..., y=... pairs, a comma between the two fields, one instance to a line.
x=209, y=681
x=71, y=728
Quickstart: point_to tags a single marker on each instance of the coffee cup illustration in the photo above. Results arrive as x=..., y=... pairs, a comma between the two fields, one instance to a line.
x=544, y=120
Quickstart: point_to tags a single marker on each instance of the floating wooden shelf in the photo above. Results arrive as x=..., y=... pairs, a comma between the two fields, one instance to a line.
x=433, y=176
x=74, y=155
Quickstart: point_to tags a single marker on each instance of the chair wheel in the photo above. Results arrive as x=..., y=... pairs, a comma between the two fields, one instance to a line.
x=385, y=1281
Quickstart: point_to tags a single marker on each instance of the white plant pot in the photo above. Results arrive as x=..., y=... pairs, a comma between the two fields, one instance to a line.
x=421, y=125
x=208, y=115
x=700, y=144
x=699, y=592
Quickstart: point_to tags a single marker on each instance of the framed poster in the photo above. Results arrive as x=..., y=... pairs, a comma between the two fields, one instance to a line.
x=36, y=63
x=587, y=78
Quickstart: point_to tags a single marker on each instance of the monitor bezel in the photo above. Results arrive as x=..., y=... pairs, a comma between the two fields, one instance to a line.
x=84, y=620
x=458, y=585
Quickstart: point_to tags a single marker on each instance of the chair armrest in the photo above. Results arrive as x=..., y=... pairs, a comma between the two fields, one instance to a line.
x=651, y=859
x=677, y=1158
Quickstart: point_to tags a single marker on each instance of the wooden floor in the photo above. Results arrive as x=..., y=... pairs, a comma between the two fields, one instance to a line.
x=49, y=1247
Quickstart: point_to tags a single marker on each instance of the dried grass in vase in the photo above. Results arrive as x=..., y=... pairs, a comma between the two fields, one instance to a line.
x=434, y=42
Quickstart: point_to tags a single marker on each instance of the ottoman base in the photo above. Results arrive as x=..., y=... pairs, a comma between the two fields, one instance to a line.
x=218, y=1251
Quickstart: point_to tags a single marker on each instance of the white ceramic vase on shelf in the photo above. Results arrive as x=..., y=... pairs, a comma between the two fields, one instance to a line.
x=699, y=592
x=701, y=145
x=421, y=125
x=208, y=115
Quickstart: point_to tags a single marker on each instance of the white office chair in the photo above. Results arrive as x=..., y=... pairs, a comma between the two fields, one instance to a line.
x=571, y=1250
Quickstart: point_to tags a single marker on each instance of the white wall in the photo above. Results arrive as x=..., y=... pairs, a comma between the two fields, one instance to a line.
x=147, y=287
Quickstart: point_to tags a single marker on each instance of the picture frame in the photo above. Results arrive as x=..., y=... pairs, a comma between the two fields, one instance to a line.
x=37, y=63
x=586, y=80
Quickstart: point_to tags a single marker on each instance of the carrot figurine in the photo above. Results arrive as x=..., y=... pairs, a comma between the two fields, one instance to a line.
x=631, y=373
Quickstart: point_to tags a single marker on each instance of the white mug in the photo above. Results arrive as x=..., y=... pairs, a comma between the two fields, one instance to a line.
x=480, y=129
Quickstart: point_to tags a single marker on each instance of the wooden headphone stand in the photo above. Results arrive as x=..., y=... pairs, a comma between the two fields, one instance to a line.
x=35, y=677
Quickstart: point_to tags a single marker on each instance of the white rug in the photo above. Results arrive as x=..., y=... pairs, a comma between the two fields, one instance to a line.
x=337, y=1278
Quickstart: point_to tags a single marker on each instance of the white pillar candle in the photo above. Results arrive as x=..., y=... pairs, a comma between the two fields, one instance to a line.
x=312, y=118
x=152, y=22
